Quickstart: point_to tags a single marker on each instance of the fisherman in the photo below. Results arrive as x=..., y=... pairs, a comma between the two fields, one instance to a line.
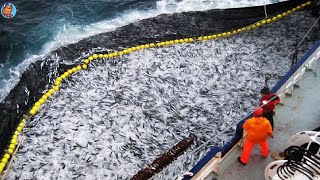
x=257, y=129
x=269, y=102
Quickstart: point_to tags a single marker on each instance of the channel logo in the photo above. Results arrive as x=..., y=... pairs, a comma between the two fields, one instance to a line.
x=8, y=10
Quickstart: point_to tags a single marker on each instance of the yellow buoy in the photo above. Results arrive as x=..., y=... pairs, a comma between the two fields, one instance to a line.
x=298, y=7
x=219, y=35
x=59, y=79
x=21, y=124
x=162, y=43
x=209, y=37
x=308, y=3
x=32, y=112
x=41, y=101
x=167, y=43
x=13, y=141
x=35, y=108
x=205, y=37
x=74, y=70
x=69, y=71
x=115, y=54
x=125, y=51
x=181, y=41
x=18, y=129
x=90, y=58
x=100, y=56
x=158, y=44
x=15, y=136
x=269, y=20
x=63, y=76
x=199, y=38
x=37, y=104
x=303, y=5
x=2, y=166
x=84, y=66
x=7, y=156
x=177, y=41
x=110, y=55
x=214, y=36
x=258, y=24
x=284, y=14
x=95, y=56
x=147, y=46
x=224, y=34
x=186, y=40
x=279, y=16
x=289, y=12
x=51, y=91
x=105, y=56
x=228, y=33
x=190, y=39
x=4, y=160
x=78, y=68
x=244, y=29
x=249, y=28
x=294, y=9
x=86, y=61
x=263, y=22
x=48, y=94
x=134, y=48
x=56, y=88
x=274, y=18
x=234, y=32
x=142, y=46
x=152, y=45
x=12, y=146
x=171, y=42
x=44, y=97
x=120, y=53
x=10, y=151
x=239, y=30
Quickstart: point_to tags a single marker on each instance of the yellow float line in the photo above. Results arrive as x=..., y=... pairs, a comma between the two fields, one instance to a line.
x=84, y=66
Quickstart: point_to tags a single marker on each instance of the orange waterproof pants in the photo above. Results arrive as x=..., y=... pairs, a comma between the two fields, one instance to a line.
x=247, y=147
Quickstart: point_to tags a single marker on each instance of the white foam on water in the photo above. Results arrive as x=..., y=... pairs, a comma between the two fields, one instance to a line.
x=115, y=118
x=69, y=33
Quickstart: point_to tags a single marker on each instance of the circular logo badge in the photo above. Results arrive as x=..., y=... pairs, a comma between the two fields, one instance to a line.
x=8, y=10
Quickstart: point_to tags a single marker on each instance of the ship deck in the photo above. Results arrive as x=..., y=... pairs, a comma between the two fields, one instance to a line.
x=300, y=111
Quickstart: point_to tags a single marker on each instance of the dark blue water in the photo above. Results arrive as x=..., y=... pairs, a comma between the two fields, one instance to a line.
x=38, y=22
x=41, y=26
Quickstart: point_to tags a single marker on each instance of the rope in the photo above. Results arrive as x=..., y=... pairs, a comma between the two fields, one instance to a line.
x=309, y=31
x=265, y=11
x=260, y=106
x=248, y=114
x=62, y=77
x=12, y=158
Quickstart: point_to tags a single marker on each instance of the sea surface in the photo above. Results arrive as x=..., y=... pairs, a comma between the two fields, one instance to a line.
x=114, y=119
x=40, y=27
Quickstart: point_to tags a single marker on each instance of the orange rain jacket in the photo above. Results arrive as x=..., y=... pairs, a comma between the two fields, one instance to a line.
x=258, y=128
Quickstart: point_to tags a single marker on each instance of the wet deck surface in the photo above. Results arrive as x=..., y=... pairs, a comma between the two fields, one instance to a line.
x=300, y=112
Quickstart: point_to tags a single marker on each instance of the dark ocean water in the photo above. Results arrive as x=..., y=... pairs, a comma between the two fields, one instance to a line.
x=39, y=22
x=40, y=27
x=60, y=25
